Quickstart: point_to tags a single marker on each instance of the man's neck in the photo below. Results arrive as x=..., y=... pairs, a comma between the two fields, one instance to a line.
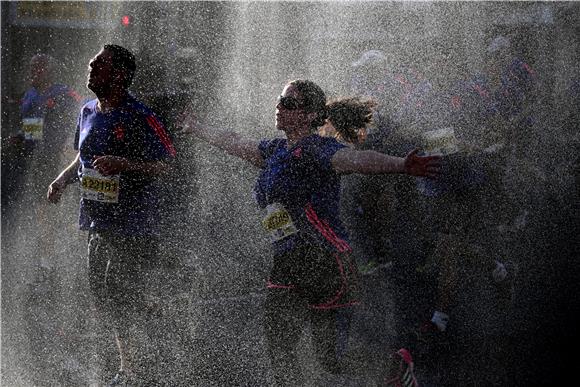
x=111, y=102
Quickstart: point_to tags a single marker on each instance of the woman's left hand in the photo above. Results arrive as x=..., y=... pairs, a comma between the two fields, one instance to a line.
x=423, y=166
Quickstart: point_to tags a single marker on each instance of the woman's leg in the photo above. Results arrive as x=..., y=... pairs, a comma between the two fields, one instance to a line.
x=330, y=333
x=284, y=320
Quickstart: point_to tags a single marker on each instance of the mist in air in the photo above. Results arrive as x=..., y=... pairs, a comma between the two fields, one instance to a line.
x=230, y=61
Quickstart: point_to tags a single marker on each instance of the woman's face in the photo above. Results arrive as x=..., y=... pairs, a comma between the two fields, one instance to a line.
x=290, y=113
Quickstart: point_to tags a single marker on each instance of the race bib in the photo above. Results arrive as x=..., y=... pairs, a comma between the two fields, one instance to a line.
x=95, y=186
x=32, y=128
x=278, y=222
x=440, y=142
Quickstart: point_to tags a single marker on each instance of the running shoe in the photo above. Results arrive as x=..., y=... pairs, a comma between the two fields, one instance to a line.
x=121, y=379
x=371, y=267
x=404, y=375
x=368, y=268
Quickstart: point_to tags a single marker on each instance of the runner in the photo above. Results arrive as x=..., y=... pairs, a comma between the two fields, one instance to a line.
x=48, y=110
x=123, y=149
x=313, y=275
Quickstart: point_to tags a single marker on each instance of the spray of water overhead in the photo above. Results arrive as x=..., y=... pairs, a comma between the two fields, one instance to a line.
x=230, y=60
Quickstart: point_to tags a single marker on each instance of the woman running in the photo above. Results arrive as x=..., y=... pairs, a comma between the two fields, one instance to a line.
x=313, y=276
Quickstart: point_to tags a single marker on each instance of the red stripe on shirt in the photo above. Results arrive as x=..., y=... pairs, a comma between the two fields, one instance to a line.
x=340, y=292
x=325, y=229
x=75, y=95
x=162, y=134
x=324, y=233
x=335, y=237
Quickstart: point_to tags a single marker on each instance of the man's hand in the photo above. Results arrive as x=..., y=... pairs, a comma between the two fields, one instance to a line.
x=55, y=190
x=423, y=166
x=110, y=165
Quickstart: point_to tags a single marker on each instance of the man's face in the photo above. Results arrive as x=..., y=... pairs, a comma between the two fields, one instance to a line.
x=101, y=76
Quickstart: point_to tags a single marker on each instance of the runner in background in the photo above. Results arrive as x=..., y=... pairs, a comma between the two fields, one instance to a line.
x=48, y=113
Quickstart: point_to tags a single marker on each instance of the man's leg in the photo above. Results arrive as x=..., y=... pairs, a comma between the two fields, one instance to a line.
x=97, y=262
x=127, y=279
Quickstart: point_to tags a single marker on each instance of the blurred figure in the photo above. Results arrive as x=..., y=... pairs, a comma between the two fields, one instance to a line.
x=48, y=115
x=48, y=111
x=35, y=150
x=470, y=273
x=384, y=214
x=538, y=180
x=512, y=81
x=369, y=200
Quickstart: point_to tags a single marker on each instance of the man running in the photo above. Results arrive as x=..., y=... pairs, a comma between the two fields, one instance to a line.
x=122, y=150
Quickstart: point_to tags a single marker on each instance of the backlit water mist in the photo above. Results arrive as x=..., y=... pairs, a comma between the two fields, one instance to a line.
x=231, y=61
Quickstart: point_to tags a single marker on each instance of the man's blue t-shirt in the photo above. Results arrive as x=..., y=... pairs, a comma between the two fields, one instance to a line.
x=130, y=131
x=517, y=83
x=472, y=104
x=302, y=180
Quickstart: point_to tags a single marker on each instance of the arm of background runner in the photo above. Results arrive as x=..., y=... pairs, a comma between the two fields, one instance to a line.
x=370, y=162
x=68, y=176
x=228, y=141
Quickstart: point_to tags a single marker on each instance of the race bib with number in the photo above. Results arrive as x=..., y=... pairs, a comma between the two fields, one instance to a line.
x=32, y=128
x=278, y=222
x=95, y=186
x=440, y=142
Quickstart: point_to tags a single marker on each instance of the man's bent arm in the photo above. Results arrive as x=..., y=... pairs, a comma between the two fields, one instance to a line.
x=68, y=176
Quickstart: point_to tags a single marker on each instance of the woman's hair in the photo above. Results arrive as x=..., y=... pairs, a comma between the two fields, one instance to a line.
x=349, y=114
x=313, y=100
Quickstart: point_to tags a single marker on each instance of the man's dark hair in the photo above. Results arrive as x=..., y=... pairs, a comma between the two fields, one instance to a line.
x=122, y=59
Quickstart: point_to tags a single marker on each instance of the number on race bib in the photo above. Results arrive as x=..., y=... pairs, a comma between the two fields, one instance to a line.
x=95, y=186
x=278, y=222
x=32, y=128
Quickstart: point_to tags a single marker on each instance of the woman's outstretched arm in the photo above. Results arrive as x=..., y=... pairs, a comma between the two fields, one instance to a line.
x=227, y=140
x=370, y=162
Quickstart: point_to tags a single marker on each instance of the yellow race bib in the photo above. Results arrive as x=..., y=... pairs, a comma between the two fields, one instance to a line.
x=95, y=186
x=278, y=222
x=440, y=142
x=33, y=128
